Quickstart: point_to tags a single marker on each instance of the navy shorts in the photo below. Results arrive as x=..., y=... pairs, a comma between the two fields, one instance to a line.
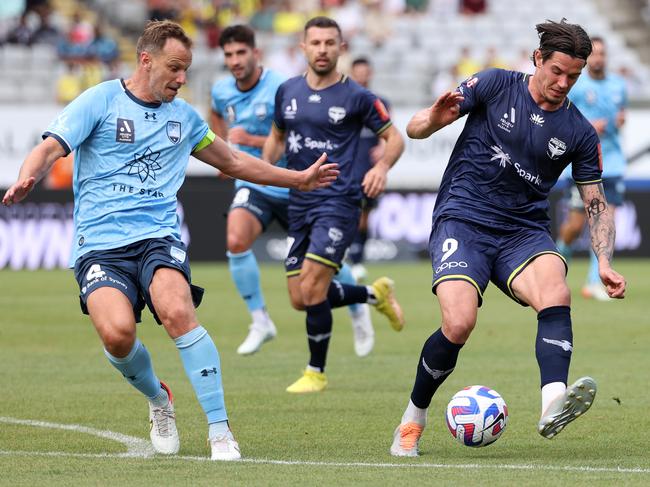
x=130, y=269
x=479, y=254
x=266, y=208
x=614, y=193
x=321, y=233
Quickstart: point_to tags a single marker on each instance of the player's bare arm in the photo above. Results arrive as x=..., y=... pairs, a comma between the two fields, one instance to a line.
x=603, y=236
x=238, y=135
x=444, y=111
x=36, y=165
x=273, y=146
x=220, y=127
x=240, y=165
x=374, y=182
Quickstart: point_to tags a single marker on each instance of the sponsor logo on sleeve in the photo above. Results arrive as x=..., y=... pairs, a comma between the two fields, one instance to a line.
x=381, y=110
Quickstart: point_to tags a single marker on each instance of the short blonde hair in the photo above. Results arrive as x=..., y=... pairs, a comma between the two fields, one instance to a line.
x=156, y=33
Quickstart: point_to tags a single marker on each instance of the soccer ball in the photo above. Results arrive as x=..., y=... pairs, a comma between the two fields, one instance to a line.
x=477, y=416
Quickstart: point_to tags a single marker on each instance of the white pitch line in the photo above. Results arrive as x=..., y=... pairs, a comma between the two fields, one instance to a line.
x=135, y=447
x=138, y=448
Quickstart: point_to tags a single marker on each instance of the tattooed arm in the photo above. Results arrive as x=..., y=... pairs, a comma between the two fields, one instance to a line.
x=603, y=235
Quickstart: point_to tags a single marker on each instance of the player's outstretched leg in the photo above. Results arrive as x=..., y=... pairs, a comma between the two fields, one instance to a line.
x=363, y=332
x=203, y=367
x=575, y=401
x=437, y=360
x=137, y=369
x=383, y=290
x=245, y=273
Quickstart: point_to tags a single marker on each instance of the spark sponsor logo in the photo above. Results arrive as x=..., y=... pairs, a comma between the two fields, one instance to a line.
x=505, y=160
x=296, y=142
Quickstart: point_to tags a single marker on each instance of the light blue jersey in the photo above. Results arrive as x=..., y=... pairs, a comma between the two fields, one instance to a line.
x=252, y=110
x=598, y=99
x=130, y=161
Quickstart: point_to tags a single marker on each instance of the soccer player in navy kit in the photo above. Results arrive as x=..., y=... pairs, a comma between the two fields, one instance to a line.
x=133, y=139
x=325, y=111
x=242, y=112
x=491, y=223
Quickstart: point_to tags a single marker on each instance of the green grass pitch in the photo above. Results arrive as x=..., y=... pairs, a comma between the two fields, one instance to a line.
x=53, y=370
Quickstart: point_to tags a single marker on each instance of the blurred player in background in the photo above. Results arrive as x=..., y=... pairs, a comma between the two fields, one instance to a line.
x=242, y=112
x=324, y=110
x=370, y=151
x=601, y=97
x=133, y=140
x=491, y=222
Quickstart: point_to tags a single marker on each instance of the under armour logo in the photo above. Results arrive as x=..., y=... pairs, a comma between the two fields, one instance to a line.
x=148, y=116
x=206, y=372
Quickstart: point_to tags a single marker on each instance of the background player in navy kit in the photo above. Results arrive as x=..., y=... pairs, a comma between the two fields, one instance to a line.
x=601, y=97
x=371, y=150
x=133, y=140
x=242, y=111
x=491, y=223
x=324, y=110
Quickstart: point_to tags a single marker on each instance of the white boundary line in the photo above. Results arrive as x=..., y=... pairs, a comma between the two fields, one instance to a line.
x=142, y=449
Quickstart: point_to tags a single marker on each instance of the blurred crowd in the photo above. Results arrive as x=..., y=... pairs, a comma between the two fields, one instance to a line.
x=90, y=54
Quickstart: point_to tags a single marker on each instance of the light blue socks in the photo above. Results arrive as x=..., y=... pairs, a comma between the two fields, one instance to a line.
x=137, y=369
x=246, y=275
x=203, y=367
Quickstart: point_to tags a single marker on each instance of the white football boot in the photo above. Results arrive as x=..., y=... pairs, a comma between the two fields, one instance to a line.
x=575, y=401
x=224, y=448
x=258, y=334
x=364, y=333
x=162, y=422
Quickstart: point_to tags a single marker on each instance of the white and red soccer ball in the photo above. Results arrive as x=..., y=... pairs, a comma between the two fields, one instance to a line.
x=477, y=416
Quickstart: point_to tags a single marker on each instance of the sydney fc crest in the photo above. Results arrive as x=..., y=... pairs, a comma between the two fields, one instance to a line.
x=174, y=131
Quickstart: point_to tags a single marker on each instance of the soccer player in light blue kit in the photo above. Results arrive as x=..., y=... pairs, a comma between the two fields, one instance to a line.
x=601, y=97
x=133, y=140
x=242, y=112
x=491, y=222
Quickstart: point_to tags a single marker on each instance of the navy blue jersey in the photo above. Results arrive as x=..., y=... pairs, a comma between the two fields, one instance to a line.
x=328, y=120
x=511, y=153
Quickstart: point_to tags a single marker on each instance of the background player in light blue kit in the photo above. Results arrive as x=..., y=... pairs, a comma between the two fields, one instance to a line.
x=324, y=110
x=133, y=140
x=491, y=222
x=242, y=111
x=601, y=97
